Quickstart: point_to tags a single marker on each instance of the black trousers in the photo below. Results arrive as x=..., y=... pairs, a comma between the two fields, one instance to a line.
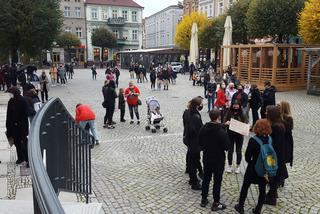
x=44, y=95
x=273, y=191
x=21, y=143
x=237, y=139
x=263, y=111
x=122, y=113
x=217, y=172
x=194, y=164
x=117, y=81
x=244, y=192
x=255, y=116
x=199, y=167
x=153, y=84
x=109, y=115
x=70, y=75
x=135, y=110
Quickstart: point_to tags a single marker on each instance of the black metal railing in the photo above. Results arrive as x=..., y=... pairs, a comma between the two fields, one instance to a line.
x=116, y=21
x=60, y=157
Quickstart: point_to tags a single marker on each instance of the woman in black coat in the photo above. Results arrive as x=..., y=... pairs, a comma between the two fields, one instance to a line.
x=255, y=103
x=110, y=95
x=192, y=135
x=279, y=145
x=288, y=123
x=17, y=123
x=262, y=129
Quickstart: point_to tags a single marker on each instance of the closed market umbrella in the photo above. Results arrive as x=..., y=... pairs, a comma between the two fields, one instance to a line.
x=194, y=46
x=227, y=40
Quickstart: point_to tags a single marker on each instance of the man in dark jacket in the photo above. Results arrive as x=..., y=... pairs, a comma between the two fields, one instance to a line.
x=17, y=123
x=268, y=98
x=194, y=126
x=109, y=95
x=255, y=103
x=214, y=141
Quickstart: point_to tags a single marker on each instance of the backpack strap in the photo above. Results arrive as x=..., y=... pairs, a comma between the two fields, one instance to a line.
x=258, y=140
x=270, y=140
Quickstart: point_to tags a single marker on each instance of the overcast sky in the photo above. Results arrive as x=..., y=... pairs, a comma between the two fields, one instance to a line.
x=153, y=6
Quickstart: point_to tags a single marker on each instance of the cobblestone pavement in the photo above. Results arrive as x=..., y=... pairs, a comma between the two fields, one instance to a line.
x=135, y=171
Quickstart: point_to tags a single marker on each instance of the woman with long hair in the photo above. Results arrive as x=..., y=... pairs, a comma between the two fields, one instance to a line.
x=279, y=144
x=262, y=130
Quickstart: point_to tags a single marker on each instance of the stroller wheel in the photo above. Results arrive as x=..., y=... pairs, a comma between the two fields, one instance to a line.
x=153, y=130
x=165, y=130
x=158, y=127
x=147, y=128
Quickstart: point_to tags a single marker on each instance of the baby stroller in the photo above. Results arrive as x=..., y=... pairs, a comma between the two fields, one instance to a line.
x=154, y=116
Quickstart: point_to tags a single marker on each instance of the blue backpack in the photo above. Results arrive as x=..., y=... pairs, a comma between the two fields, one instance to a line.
x=267, y=162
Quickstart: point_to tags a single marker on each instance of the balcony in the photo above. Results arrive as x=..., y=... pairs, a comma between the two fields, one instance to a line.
x=116, y=21
x=126, y=41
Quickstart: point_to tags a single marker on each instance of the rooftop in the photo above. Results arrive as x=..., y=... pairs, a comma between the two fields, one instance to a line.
x=123, y=3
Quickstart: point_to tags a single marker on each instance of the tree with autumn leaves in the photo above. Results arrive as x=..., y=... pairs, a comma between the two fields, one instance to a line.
x=309, y=22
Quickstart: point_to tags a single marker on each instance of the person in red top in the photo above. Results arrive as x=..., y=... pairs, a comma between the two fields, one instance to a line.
x=85, y=116
x=132, y=94
x=221, y=101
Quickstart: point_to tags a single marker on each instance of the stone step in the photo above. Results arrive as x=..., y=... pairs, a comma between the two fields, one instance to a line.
x=26, y=207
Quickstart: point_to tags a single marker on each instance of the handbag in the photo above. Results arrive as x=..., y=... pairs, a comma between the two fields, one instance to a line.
x=139, y=102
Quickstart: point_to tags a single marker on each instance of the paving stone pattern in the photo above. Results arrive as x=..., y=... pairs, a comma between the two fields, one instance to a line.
x=135, y=171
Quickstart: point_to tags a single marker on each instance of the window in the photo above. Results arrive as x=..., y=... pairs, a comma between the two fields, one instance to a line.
x=114, y=14
x=206, y=10
x=134, y=35
x=67, y=11
x=125, y=34
x=104, y=15
x=125, y=15
x=76, y=0
x=134, y=16
x=116, y=33
x=210, y=12
x=94, y=13
x=220, y=7
x=78, y=12
x=79, y=32
x=67, y=29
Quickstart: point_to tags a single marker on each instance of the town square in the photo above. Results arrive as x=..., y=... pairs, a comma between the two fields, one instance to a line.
x=198, y=106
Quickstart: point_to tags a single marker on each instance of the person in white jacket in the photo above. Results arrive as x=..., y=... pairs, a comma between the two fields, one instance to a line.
x=230, y=91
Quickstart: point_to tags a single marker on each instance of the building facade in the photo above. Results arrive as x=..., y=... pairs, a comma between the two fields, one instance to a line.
x=214, y=8
x=73, y=21
x=123, y=18
x=190, y=6
x=160, y=28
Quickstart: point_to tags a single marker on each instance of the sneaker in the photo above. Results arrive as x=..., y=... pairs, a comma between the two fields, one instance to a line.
x=237, y=171
x=218, y=206
x=114, y=123
x=110, y=127
x=255, y=211
x=271, y=201
x=123, y=120
x=105, y=126
x=196, y=187
x=229, y=169
x=138, y=122
x=131, y=122
x=204, y=202
x=19, y=161
x=97, y=142
x=239, y=209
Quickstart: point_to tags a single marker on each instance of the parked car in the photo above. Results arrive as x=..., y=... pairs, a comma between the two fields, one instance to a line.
x=176, y=67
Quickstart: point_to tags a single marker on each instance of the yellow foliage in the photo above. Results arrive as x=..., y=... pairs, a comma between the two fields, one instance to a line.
x=309, y=22
x=183, y=30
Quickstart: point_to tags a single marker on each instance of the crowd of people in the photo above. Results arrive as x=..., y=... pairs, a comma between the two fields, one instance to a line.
x=227, y=100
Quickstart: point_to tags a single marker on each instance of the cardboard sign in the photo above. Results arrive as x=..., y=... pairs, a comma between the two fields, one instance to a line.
x=239, y=127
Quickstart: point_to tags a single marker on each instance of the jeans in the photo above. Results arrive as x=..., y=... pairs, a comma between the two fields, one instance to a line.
x=244, y=192
x=255, y=116
x=237, y=139
x=91, y=127
x=136, y=111
x=94, y=76
x=211, y=102
x=63, y=80
x=217, y=172
x=194, y=164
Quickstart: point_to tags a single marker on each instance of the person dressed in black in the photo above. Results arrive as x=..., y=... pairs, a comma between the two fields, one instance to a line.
x=268, y=98
x=153, y=77
x=235, y=112
x=144, y=74
x=71, y=71
x=110, y=95
x=279, y=145
x=13, y=74
x=94, y=72
x=214, y=141
x=122, y=104
x=17, y=123
x=262, y=130
x=242, y=97
x=192, y=69
x=206, y=81
x=194, y=126
x=255, y=103
x=288, y=123
x=117, y=73
x=137, y=70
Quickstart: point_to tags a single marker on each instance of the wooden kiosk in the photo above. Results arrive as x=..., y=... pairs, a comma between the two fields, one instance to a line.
x=285, y=65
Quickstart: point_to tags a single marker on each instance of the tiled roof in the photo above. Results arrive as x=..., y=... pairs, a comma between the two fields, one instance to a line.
x=124, y=3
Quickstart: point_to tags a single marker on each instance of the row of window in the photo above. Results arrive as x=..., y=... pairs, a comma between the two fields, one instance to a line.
x=78, y=31
x=125, y=34
x=74, y=0
x=67, y=11
x=115, y=14
x=209, y=10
